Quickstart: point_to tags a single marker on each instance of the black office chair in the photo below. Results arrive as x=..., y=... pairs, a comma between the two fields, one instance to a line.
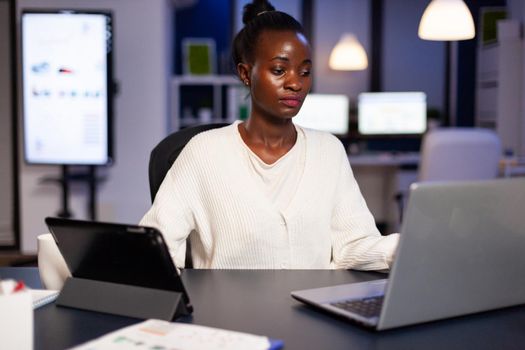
x=162, y=157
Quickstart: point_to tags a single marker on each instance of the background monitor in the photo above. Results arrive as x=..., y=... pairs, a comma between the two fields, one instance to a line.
x=66, y=80
x=325, y=112
x=392, y=113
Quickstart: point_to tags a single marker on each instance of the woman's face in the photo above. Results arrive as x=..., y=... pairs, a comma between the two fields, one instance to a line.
x=280, y=77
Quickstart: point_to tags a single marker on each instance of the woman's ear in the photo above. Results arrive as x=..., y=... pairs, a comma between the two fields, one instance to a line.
x=243, y=70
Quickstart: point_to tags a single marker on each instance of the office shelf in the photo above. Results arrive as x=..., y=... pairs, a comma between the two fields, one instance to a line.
x=224, y=89
x=499, y=87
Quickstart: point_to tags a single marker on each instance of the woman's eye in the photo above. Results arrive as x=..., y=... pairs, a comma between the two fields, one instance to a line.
x=305, y=73
x=277, y=71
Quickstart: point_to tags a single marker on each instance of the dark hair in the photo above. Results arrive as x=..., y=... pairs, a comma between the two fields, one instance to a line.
x=257, y=17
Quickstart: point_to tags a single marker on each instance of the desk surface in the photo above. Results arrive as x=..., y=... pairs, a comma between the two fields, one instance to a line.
x=395, y=159
x=259, y=302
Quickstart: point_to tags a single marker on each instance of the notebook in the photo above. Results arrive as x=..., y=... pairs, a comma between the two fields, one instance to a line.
x=117, y=253
x=461, y=251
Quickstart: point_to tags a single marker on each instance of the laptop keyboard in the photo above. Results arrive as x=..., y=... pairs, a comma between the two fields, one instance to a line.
x=368, y=307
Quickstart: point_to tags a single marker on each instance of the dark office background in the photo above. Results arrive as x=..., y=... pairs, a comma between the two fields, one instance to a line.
x=205, y=19
x=214, y=19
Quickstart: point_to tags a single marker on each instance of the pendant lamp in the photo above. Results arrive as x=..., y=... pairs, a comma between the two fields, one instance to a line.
x=348, y=54
x=446, y=20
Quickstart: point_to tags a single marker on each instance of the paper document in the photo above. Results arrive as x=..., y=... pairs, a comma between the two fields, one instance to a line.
x=42, y=297
x=156, y=334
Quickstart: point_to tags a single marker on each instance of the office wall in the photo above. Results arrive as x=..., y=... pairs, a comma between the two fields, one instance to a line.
x=407, y=62
x=292, y=7
x=410, y=63
x=6, y=139
x=143, y=66
x=217, y=14
x=331, y=19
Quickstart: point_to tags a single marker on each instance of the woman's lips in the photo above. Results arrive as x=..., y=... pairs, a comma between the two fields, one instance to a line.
x=291, y=101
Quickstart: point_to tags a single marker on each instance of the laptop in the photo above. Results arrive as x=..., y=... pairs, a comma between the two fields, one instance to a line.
x=461, y=251
x=117, y=253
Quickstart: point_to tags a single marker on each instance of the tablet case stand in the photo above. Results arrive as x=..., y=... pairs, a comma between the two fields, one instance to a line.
x=122, y=299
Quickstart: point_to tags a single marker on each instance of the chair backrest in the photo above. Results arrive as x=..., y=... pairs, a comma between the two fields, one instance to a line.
x=162, y=158
x=459, y=154
x=164, y=154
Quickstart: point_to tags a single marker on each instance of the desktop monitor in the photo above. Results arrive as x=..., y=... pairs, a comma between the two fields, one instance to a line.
x=391, y=113
x=325, y=112
x=66, y=80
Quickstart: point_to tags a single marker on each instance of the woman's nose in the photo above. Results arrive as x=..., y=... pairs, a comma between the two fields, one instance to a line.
x=294, y=82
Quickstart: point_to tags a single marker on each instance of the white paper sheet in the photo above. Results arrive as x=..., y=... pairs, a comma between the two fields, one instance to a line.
x=163, y=335
x=42, y=297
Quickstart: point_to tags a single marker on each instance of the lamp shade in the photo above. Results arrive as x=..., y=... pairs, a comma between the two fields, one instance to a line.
x=348, y=54
x=446, y=20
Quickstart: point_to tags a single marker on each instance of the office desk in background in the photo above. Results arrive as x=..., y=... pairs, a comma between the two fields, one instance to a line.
x=259, y=302
x=381, y=175
x=379, y=159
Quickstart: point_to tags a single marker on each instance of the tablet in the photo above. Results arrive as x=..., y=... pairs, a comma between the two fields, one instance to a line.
x=118, y=253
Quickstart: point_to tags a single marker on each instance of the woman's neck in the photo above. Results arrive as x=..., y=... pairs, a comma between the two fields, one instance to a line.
x=272, y=135
x=270, y=141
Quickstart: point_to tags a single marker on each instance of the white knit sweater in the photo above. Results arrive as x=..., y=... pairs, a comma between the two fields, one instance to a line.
x=209, y=193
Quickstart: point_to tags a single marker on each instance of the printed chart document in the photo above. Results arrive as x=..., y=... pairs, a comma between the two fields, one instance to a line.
x=157, y=334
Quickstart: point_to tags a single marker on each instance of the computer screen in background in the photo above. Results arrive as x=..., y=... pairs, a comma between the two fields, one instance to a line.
x=326, y=112
x=67, y=100
x=392, y=113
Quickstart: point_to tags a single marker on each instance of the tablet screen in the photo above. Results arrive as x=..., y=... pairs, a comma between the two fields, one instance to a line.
x=117, y=253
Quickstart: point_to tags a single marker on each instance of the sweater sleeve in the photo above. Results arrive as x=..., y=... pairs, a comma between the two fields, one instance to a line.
x=172, y=209
x=356, y=241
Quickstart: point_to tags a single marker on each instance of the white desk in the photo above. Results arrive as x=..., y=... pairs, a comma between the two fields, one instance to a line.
x=380, y=177
x=385, y=159
x=512, y=166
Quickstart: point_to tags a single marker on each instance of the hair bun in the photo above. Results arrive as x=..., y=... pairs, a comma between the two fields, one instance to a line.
x=255, y=8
